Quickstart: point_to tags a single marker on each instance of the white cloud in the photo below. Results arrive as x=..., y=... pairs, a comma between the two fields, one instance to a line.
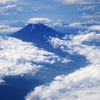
x=7, y=29
x=7, y=7
x=20, y=9
x=55, y=24
x=7, y=1
x=94, y=27
x=91, y=22
x=59, y=20
x=88, y=7
x=97, y=12
x=39, y=20
x=18, y=57
x=43, y=7
x=85, y=16
x=4, y=9
x=69, y=1
x=80, y=85
x=6, y=22
x=75, y=24
x=35, y=9
x=75, y=44
x=87, y=25
x=83, y=84
x=20, y=2
x=77, y=1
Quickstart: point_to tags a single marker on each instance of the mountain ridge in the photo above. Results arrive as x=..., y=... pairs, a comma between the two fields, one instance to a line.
x=35, y=33
x=39, y=35
x=37, y=28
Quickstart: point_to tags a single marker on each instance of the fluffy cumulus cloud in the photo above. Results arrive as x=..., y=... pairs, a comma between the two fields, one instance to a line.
x=80, y=85
x=83, y=84
x=75, y=45
x=39, y=20
x=4, y=29
x=77, y=1
x=94, y=27
x=18, y=57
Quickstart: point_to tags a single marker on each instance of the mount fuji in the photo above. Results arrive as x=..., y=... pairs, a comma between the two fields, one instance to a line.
x=39, y=35
x=36, y=33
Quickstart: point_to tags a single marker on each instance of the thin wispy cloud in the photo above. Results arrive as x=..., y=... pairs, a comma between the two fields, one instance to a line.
x=90, y=25
x=35, y=9
x=7, y=7
x=7, y=1
x=22, y=2
x=4, y=10
x=38, y=20
x=94, y=27
x=20, y=9
x=88, y=7
x=77, y=1
x=4, y=29
x=44, y=7
x=86, y=16
x=55, y=24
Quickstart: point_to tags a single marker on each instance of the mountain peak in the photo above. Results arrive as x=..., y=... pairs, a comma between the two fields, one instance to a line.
x=38, y=34
x=35, y=32
x=38, y=26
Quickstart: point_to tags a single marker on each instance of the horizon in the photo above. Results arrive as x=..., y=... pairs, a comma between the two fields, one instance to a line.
x=16, y=14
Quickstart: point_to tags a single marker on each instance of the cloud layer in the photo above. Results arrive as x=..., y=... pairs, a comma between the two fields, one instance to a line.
x=82, y=84
x=7, y=1
x=18, y=57
x=7, y=29
x=78, y=1
x=94, y=27
x=38, y=20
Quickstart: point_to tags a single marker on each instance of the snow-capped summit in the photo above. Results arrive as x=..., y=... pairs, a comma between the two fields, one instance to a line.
x=34, y=32
x=38, y=26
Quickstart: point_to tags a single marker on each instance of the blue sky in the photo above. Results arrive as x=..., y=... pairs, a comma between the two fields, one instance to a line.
x=15, y=14
x=16, y=56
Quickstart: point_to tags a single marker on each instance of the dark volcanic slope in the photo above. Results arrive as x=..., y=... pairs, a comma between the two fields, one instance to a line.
x=38, y=34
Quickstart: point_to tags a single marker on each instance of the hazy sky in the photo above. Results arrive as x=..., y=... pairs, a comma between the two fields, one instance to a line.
x=14, y=14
